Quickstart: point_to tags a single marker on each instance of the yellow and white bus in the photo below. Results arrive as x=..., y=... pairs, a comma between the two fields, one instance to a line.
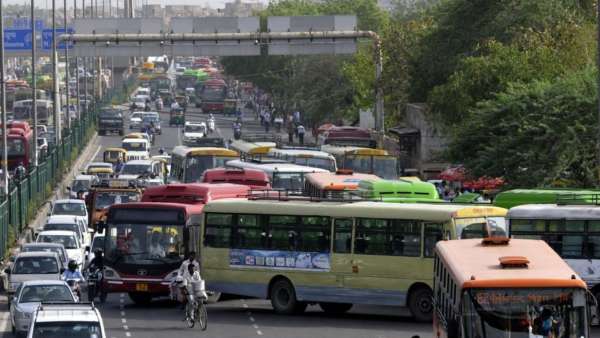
x=307, y=157
x=498, y=287
x=334, y=254
x=365, y=160
x=188, y=164
x=252, y=150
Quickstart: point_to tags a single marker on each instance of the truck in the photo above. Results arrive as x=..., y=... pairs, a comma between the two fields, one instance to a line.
x=110, y=120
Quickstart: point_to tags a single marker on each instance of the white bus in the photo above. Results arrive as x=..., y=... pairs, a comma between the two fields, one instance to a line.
x=573, y=231
x=307, y=157
x=285, y=176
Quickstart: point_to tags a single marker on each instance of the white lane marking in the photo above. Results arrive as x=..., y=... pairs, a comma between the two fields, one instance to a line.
x=255, y=326
x=122, y=313
x=123, y=320
x=128, y=334
x=259, y=332
x=122, y=300
x=251, y=319
x=121, y=306
x=125, y=327
x=122, y=295
x=179, y=135
x=245, y=305
x=96, y=153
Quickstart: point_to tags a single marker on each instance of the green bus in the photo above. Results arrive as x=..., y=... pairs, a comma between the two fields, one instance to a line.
x=388, y=189
x=190, y=79
x=334, y=254
x=512, y=198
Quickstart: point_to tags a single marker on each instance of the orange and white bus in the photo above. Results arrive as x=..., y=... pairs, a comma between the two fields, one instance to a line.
x=498, y=287
x=338, y=185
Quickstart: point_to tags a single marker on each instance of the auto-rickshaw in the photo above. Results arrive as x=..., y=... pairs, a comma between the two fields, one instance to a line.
x=176, y=117
x=229, y=106
x=103, y=174
x=112, y=155
x=183, y=101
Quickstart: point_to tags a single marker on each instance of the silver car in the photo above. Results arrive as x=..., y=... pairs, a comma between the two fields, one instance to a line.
x=29, y=296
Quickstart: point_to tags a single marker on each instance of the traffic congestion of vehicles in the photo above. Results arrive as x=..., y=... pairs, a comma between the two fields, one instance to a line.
x=198, y=212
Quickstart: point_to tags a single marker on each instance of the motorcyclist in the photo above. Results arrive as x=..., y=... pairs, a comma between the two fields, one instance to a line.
x=211, y=123
x=175, y=106
x=72, y=272
x=237, y=129
x=98, y=261
x=161, y=151
x=118, y=166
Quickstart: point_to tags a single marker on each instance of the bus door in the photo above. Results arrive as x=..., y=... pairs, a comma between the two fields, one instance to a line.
x=341, y=254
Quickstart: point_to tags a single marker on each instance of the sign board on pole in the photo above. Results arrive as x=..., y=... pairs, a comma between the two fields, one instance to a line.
x=17, y=39
x=47, y=38
x=312, y=23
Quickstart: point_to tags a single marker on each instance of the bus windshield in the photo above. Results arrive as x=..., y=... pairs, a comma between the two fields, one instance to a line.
x=385, y=167
x=315, y=162
x=515, y=313
x=144, y=244
x=213, y=93
x=195, y=166
x=134, y=146
x=16, y=147
x=480, y=227
x=288, y=181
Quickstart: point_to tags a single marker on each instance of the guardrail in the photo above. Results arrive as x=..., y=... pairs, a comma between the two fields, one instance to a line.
x=27, y=195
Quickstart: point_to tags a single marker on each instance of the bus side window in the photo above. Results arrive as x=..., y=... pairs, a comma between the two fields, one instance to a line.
x=405, y=238
x=433, y=233
x=248, y=234
x=218, y=230
x=342, y=242
x=372, y=237
x=315, y=234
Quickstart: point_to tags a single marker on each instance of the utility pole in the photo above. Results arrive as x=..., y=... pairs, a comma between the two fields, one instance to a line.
x=67, y=70
x=34, y=84
x=55, y=87
x=598, y=94
x=3, y=103
x=78, y=110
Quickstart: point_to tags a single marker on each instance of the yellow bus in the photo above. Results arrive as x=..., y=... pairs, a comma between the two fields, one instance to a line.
x=335, y=254
x=365, y=160
x=252, y=150
x=188, y=164
x=498, y=287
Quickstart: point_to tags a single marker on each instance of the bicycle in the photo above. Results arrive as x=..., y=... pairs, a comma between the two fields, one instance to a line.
x=195, y=311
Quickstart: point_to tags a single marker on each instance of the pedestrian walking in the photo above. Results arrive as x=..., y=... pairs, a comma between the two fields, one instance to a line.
x=301, y=132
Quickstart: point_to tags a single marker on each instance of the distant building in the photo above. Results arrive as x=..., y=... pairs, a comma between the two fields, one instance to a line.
x=387, y=5
x=242, y=8
x=152, y=11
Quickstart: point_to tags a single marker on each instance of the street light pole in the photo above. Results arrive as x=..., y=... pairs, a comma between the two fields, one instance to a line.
x=67, y=70
x=78, y=110
x=34, y=84
x=3, y=103
x=55, y=88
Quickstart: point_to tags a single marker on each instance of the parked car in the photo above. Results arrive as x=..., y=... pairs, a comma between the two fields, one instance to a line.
x=30, y=295
x=31, y=266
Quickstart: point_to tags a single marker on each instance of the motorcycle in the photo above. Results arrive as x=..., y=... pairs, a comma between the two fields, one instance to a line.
x=94, y=285
x=75, y=287
x=237, y=133
x=211, y=125
x=159, y=105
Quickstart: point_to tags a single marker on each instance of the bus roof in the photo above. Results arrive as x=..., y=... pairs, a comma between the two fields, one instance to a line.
x=193, y=193
x=251, y=177
x=429, y=212
x=188, y=208
x=350, y=150
x=300, y=153
x=275, y=167
x=184, y=151
x=474, y=265
x=252, y=148
x=398, y=188
x=511, y=198
x=338, y=181
x=553, y=211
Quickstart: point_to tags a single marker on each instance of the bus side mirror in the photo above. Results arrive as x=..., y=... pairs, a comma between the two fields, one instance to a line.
x=453, y=328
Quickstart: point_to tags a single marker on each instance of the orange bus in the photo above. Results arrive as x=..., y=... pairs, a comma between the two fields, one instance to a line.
x=500, y=287
x=334, y=185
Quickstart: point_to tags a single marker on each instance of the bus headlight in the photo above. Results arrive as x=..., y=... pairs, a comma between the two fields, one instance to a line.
x=171, y=276
x=111, y=274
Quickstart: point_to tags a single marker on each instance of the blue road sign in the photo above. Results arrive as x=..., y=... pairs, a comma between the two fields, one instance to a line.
x=47, y=38
x=17, y=39
x=23, y=23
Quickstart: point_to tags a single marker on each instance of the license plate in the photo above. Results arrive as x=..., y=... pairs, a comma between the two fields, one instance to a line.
x=141, y=287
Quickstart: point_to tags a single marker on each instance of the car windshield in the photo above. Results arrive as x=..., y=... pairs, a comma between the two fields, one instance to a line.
x=136, y=116
x=195, y=166
x=524, y=313
x=39, y=248
x=46, y=293
x=136, y=169
x=69, y=242
x=77, y=209
x=67, y=329
x=134, y=146
x=35, y=265
x=63, y=226
x=191, y=128
x=480, y=227
x=81, y=185
x=288, y=181
x=106, y=199
x=145, y=244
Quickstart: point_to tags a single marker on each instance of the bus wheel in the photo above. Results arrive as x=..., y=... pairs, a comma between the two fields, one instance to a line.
x=420, y=304
x=335, y=308
x=283, y=298
x=140, y=298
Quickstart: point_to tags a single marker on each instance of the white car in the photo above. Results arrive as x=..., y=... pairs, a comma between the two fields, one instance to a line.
x=82, y=183
x=73, y=207
x=137, y=148
x=68, y=239
x=69, y=223
x=139, y=102
x=32, y=266
x=69, y=320
x=29, y=297
x=135, y=120
x=151, y=169
x=193, y=132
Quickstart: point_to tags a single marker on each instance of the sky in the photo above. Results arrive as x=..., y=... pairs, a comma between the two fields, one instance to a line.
x=211, y=3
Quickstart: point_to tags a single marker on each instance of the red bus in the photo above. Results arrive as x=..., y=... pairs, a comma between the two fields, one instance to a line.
x=20, y=144
x=254, y=178
x=146, y=242
x=212, y=95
